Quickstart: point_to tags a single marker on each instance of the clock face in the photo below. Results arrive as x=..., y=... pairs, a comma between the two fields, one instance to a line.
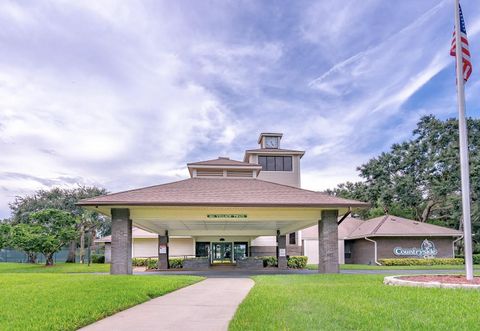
x=271, y=142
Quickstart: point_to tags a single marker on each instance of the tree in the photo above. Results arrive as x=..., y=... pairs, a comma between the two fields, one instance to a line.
x=420, y=178
x=64, y=199
x=46, y=232
x=26, y=237
x=5, y=234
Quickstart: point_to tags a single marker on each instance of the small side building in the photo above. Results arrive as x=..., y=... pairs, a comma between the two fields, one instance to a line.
x=385, y=237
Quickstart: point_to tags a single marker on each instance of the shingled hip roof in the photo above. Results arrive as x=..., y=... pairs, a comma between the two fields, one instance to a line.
x=390, y=226
x=223, y=192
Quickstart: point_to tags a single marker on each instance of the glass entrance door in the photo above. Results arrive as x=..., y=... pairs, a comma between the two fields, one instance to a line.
x=222, y=252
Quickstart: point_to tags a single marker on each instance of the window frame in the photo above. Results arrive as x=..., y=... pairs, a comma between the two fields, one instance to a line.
x=269, y=162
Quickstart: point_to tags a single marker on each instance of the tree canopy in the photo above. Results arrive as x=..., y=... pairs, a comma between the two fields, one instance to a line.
x=46, y=232
x=88, y=222
x=420, y=178
x=62, y=199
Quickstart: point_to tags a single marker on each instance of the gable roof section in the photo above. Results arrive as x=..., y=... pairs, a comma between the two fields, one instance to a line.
x=391, y=226
x=223, y=192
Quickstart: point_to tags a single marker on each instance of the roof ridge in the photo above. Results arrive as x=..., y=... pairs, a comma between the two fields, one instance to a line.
x=380, y=224
x=355, y=228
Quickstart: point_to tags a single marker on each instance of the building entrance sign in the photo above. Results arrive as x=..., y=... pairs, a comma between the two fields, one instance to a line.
x=226, y=215
x=427, y=250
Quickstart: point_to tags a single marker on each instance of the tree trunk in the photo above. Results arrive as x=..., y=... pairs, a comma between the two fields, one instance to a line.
x=82, y=244
x=428, y=209
x=71, y=252
x=31, y=257
x=49, y=259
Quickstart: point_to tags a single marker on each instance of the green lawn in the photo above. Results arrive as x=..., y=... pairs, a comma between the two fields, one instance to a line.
x=352, y=302
x=6, y=267
x=52, y=301
x=415, y=267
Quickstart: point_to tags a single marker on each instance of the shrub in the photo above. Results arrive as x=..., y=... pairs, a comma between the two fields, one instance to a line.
x=413, y=261
x=269, y=261
x=176, y=263
x=139, y=262
x=297, y=262
x=98, y=258
x=151, y=263
x=476, y=258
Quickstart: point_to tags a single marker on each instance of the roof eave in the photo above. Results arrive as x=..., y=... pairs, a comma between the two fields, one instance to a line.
x=404, y=235
x=200, y=204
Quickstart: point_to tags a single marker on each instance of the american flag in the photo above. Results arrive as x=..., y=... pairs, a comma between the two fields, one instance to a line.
x=467, y=65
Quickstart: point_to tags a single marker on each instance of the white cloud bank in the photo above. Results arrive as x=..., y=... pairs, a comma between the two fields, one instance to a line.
x=123, y=94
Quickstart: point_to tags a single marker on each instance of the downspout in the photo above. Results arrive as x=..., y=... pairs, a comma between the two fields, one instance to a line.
x=375, y=246
x=453, y=245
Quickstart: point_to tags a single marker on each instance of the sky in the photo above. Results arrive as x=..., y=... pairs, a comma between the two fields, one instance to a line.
x=122, y=94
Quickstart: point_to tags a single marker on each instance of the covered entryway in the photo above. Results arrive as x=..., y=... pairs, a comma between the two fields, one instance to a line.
x=234, y=210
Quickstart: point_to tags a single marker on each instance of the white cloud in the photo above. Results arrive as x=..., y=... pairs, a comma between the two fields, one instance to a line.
x=123, y=94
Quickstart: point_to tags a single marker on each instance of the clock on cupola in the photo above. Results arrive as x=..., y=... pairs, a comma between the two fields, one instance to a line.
x=270, y=140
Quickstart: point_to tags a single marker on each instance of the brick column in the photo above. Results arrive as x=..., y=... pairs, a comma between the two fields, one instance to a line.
x=163, y=251
x=121, y=242
x=281, y=251
x=328, y=242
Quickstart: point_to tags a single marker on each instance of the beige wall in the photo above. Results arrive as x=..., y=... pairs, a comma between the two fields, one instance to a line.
x=291, y=178
x=148, y=247
x=310, y=250
x=179, y=247
x=145, y=247
x=265, y=241
x=108, y=252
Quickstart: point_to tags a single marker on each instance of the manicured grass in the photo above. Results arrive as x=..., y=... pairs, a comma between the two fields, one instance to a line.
x=352, y=302
x=377, y=267
x=67, y=302
x=6, y=267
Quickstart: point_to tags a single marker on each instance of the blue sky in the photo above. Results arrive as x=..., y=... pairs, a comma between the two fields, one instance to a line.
x=122, y=94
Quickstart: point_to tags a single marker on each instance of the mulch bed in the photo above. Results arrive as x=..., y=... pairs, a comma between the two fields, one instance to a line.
x=444, y=279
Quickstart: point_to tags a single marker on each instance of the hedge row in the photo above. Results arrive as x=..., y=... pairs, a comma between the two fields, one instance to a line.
x=476, y=258
x=407, y=262
x=294, y=262
x=151, y=262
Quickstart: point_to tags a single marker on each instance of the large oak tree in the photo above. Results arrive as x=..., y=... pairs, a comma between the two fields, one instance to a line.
x=420, y=178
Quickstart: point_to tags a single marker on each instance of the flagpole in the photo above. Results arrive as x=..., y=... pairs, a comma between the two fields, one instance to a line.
x=464, y=166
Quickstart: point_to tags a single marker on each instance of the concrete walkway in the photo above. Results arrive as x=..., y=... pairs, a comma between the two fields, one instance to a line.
x=207, y=305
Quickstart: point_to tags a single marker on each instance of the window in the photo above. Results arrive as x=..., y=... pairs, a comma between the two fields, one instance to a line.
x=292, y=238
x=275, y=163
x=201, y=249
